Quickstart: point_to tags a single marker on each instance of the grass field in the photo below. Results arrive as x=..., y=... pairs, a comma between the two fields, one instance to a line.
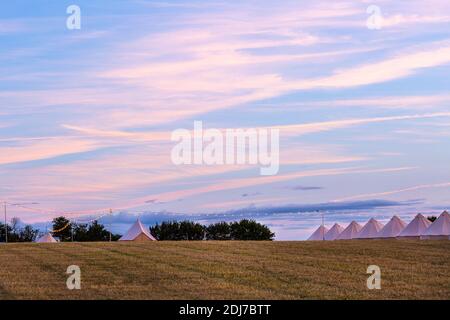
x=227, y=270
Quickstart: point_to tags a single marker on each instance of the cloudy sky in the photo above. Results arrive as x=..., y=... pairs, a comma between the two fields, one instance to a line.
x=86, y=115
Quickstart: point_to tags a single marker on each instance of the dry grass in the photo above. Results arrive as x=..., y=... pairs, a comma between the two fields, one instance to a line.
x=227, y=270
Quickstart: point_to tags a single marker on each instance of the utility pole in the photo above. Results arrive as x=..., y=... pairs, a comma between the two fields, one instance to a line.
x=6, y=226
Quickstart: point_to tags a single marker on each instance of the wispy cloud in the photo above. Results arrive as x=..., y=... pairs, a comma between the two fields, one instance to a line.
x=399, y=66
x=387, y=193
x=248, y=182
x=304, y=188
x=43, y=148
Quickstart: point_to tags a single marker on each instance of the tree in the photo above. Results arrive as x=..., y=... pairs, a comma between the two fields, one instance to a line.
x=92, y=232
x=173, y=230
x=115, y=237
x=16, y=234
x=97, y=232
x=188, y=230
x=218, y=231
x=28, y=234
x=2, y=232
x=62, y=229
x=15, y=222
x=192, y=231
x=166, y=231
x=432, y=218
x=80, y=232
x=250, y=230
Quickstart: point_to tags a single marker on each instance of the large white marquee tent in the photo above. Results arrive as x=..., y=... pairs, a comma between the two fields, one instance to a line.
x=439, y=229
x=319, y=234
x=334, y=232
x=350, y=232
x=370, y=230
x=392, y=229
x=415, y=228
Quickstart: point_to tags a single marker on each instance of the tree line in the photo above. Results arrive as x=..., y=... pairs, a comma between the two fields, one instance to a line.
x=167, y=230
x=16, y=233
x=189, y=230
x=66, y=231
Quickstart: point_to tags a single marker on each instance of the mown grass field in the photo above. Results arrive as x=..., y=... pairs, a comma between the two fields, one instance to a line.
x=227, y=270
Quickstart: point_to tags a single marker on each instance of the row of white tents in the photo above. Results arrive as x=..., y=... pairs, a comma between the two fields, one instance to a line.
x=138, y=232
x=419, y=228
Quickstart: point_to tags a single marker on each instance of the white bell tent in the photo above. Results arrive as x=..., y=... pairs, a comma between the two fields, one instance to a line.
x=46, y=238
x=137, y=233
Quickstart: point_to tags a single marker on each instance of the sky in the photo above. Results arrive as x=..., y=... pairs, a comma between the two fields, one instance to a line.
x=86, y=115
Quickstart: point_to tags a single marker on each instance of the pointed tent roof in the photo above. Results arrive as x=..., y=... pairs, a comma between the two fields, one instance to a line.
x=440, y=227
x=319, y=234
x=46, y=238
x=392, y=228
x=416, y=227
x=136, y=230
x=370, y=230
x=350, y=232
x=334, y=232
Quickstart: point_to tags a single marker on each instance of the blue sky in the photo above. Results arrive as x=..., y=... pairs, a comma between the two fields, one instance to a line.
x=86, y=115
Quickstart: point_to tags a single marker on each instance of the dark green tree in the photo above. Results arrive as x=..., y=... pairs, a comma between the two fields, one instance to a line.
x=13, y=230
x=97, y=232
x=63, y=228
x=250, y=230
x=191, y=231
x=3, y=232
x=173, y=230
x=218, y=231
x=188, y=230
x=167, y=230
x=17, y=234
x=28, y=234
x=80, y=232
x=115, y=237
